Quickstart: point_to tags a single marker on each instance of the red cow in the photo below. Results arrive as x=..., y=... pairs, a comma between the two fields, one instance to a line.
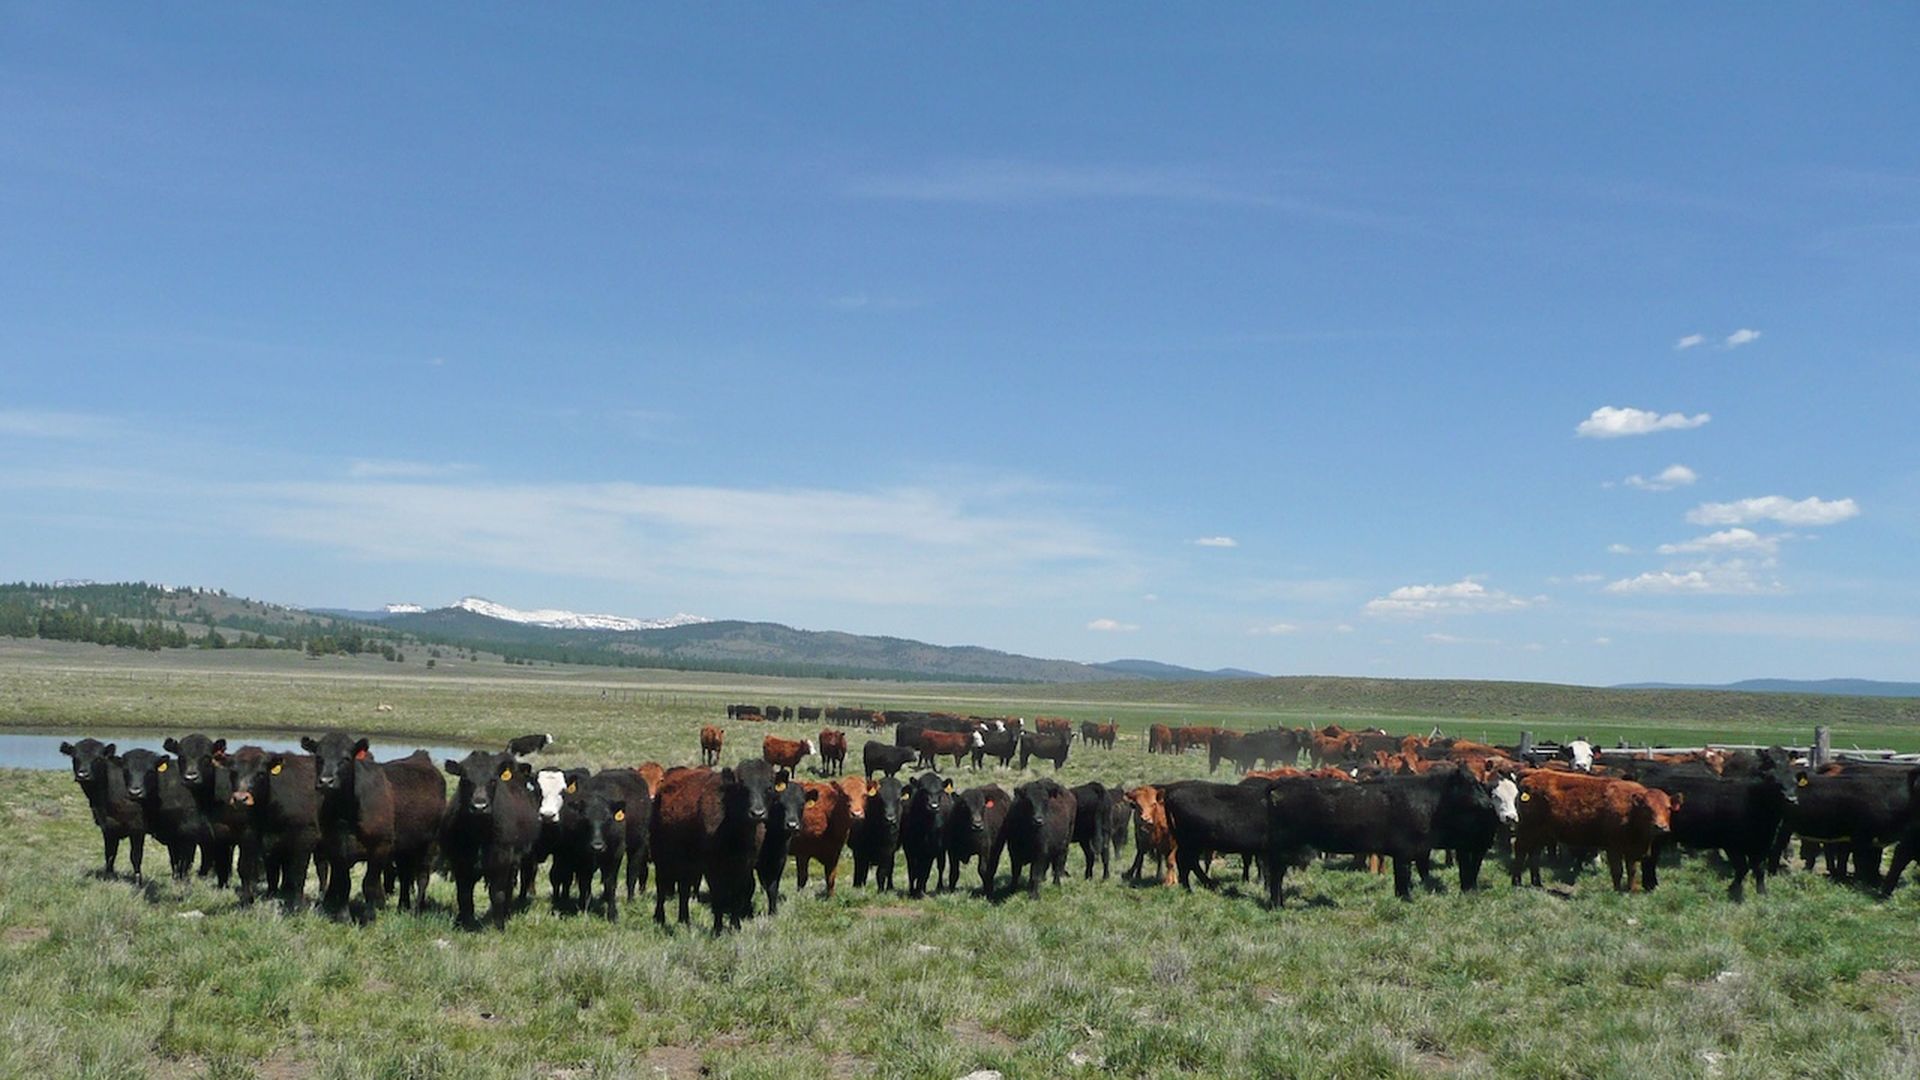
x=832, y=810
x=1160, y=739
x=711, y=739
x=784, y=753
x=833, y=750
x=1578, y=810
x=937, y=744
x=1152, y=834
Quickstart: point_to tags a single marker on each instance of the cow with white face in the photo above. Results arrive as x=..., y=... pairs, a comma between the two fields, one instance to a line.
x=1581, y=751
x=553, y=788
x=1506, y=800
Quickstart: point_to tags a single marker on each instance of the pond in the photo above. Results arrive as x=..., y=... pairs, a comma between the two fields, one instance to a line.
x=21, y=750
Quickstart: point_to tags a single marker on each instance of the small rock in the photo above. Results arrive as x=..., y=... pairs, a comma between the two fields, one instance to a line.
x=1713, y=1058
x=442, y=943
x=1633, y=922
x=191, y=915
x=926, y=948
x=984, y=1074
x=1727, y=977
x=1078, y=1060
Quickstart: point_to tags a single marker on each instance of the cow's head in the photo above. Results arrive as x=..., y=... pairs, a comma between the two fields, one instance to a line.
x=930, y=794
x=854, y=790
x=787, y=807
x=249, y=767
x=885, y=794
x=555, y=787
x=975, y=806
x=1506, y=799
x=1580, y=752
x=603, y=811
x=1033, y=800
x=1656, y=807
x=754, y=782
x=91, y=759
x=335, y=755
x=199, y=757
x=486, y=780
x=144, y=772
x=1775, y=769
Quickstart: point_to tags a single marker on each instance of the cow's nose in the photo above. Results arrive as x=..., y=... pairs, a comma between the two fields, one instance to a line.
x=480, y=804
x=192, y=776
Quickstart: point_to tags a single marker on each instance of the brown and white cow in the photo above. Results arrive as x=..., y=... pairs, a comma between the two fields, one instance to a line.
x=784, y=753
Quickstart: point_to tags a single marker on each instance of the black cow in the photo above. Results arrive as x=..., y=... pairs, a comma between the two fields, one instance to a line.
x=384, y=814
x=1275, y=746
x=786, y=810
x=876, y=837
x=1909, y=842
x=923, y=830
x=173, y=817
x=878, y=757
x=1208, y=819
x=276, y=793
x=203, y=772
x=1404, y=817
x=1093, y=825
x=907, y=732
x=1038, y=829
x=117, y=814
x=809, y=714
x=1045, y=747
x=1739, y=815
x=607, y=821
x=489, y=831
x=1000, y=745
x=972, y=829
x=1119, y=816
x=1856, y=813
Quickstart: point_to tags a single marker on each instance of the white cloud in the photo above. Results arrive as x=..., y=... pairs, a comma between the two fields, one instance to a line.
x=1603, y=642
x=1464, y=597
x=1343, y=628
x=1611, y=422
x=372, y=469
x=1727, y=577
x=1451, y=639
x=42, y=424
x=1809, y=511
x=1112, y=626
x=1533, y=646
x=1619, y=549
x=1741, y=337
x=1667, y=479
x=1691, y=341
x=1217, y=542
x=1150, y=597
x=1735, y=539
x=1273, y=629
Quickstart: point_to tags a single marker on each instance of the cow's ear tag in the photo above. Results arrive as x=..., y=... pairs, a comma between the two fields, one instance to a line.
x=573, y=787
x=873, y=789
x=275, y=770
x=506, y=774
x=989, y=804
x=781, y=786
x=1525, y=795
x=162, y=767
x=947, y=787
x=619, y=815
x=361, y=755
x=1804, y=781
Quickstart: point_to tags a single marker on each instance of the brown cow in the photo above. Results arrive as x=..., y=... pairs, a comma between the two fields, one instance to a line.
x=1053, y=725
x=1159, y=739
x=938, y=744
x=1330, y=743
x=832, y=810
x=1577, y=810
x=1152, y=834
x=651, y=772
x=711, y=739
x=833, y=750
x=1106, y=734
x=784, y=753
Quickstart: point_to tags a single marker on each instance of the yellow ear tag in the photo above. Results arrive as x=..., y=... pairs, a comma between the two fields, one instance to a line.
x=1525, y=795
x=571, y=788
x=619, y=815
x=781, y=786
x=947, y=787
x=1804, y=781
x=506, y=774
x=162, y=767
x=872, y=790
x=275, y=770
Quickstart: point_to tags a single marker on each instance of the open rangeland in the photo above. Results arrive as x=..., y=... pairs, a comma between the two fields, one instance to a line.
x=103, y=978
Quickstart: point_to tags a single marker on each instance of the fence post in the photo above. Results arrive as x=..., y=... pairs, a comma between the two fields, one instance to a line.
x=1526, y=745
x=1822, y=746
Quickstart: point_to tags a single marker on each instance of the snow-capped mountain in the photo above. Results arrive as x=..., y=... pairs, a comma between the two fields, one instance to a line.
x=403, y=609
x=572, y=620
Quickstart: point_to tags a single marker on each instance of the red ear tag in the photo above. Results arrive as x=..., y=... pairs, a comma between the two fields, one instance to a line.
x=989, y=804
x=361, y=755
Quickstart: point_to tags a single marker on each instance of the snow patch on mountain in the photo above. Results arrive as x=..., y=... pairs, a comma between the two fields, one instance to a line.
x=572, y=620
x=403, y=609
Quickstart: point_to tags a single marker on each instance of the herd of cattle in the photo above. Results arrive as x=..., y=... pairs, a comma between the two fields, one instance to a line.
x=1366, y=794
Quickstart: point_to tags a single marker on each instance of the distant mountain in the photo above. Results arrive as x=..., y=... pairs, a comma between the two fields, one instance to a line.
x=1154, y=669
x=1840, y=687
x=551, y=618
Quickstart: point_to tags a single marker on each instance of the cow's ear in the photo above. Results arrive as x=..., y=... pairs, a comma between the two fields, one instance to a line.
x=160, y=763
x=276, y=763
x=947, y=787
x=872, y=789
x=362, y=750
x=309, y=745
x=1801, y=779
x=67, y=749
x=813, y=795
x=170, y=744
x=452, y=767
x=219, y=746
x=727, y=776
x=1674, y=801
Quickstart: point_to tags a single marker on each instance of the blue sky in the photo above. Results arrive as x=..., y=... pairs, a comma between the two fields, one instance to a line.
x=968, y=323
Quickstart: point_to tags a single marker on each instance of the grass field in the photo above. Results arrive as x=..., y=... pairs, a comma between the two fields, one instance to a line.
x=102, y=979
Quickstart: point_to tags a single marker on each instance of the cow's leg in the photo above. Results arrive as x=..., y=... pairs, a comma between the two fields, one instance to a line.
x=1736, y=891
x=1902, y=855
x=1402, y=877
x=1866, y=862
x=662, y=886
x=800, y=871
x=1470, y=869
x=136, y=854
x=463, y=883
x=110, y=845
x=609, y=895
x=1277, y=884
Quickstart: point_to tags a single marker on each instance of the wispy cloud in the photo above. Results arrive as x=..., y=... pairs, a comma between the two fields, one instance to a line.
x=1805, y=512
x=1691, y=341
x=1217, y=542
x=1732, y=577
x=1273, y=629
x=1619, y=549
x=1741, y=337
x=377, y=469
x=49, y=424
x=1112, y=626
x=1726, y=540
x=1611, y=422
x=1673, y=476
x=1464, y=597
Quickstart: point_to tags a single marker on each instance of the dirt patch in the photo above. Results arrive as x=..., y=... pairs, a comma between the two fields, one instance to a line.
x=1891, y=978
x=673, y=1062
x=970, y=1033
x=283, y=1065
x=844, y=1064
x=472, y=1017
x=24, y=935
